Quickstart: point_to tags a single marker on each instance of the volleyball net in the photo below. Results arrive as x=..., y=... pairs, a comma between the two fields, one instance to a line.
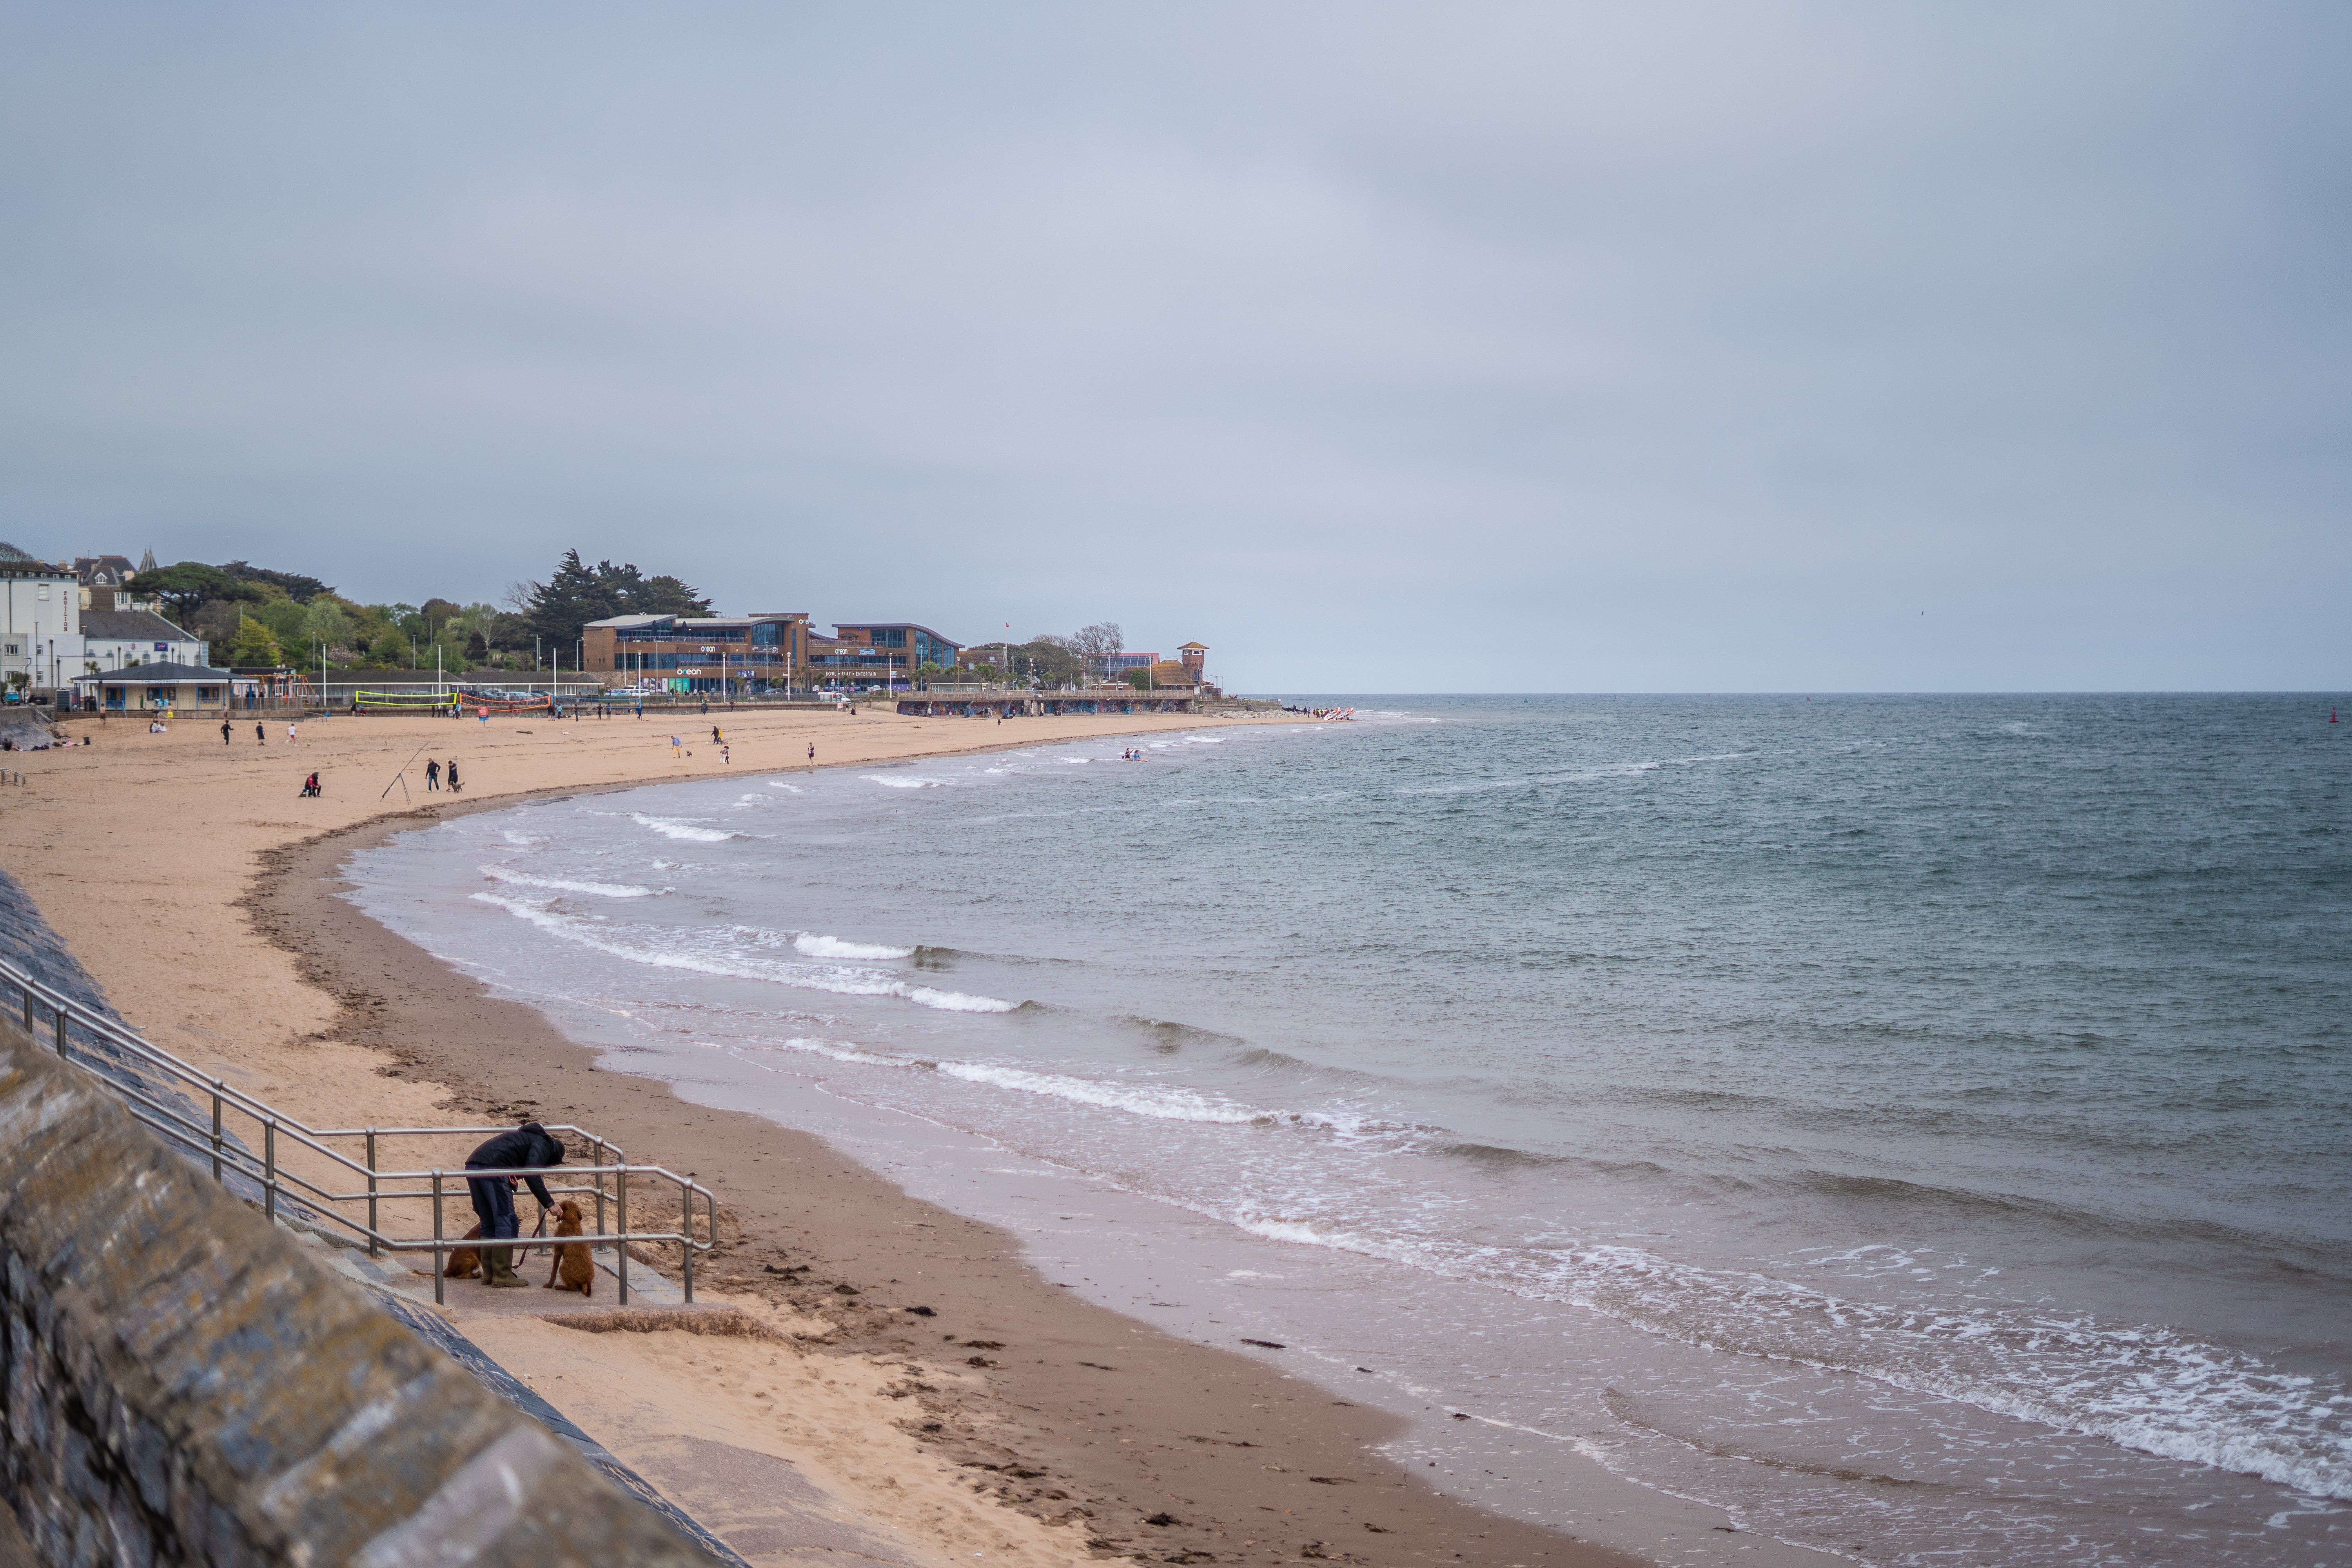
x=406, y=701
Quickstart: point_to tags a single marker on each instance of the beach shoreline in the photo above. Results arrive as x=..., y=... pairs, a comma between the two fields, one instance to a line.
x=1106, y=1424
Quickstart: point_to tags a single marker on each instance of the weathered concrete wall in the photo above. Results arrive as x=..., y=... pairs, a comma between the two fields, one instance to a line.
x=27, y=940
x=180, y=1385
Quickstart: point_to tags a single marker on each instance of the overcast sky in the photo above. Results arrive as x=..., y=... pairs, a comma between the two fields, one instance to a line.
x=1448, y=347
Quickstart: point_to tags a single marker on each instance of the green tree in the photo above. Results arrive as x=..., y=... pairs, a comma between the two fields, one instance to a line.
x=326, y=622
x=253, y=645
x=438, y=613
x=293, y=585
x=1047, y=661
x=1140, y=679
x=557, y=609
x=661, y=597
x=390, y=649
x=477, y=649
x=284, y=619
x=185, y=587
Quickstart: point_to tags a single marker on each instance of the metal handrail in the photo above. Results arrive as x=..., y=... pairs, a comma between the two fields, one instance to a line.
x=228, y=1155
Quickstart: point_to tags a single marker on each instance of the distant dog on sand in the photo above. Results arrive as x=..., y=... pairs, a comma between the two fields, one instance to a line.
x=577, y=1270
x=466, y=1262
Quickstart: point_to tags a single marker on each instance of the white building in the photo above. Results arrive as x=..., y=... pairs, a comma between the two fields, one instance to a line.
x=40, y=622
x=112, y=640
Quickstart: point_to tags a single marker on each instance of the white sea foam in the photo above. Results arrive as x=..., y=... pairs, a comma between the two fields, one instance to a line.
x=906, y=783
x=779, y=784
x=1160, y=1102
x=817, y=946
x=2144, y=1387
x=697, y=953
x=671, y=827
x=565, y=885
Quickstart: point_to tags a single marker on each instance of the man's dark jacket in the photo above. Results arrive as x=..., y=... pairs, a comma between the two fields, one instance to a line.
x=530, y=1144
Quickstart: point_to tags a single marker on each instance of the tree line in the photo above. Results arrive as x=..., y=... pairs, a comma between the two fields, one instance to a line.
x=256, y=616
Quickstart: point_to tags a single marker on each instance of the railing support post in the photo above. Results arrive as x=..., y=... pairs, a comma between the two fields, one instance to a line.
x=686, y=1204
x=216, y=1129
x=439, y=1298
x=374, y=1250
x=269, y=1168
x=600, y=1186
x=61, y=1034
x=622, y=1202
x=27, y=989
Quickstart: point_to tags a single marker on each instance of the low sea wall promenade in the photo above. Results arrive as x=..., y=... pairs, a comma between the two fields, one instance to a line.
x=184, y=1385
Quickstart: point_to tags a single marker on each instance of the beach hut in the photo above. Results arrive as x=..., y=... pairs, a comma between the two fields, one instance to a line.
x=155, y=688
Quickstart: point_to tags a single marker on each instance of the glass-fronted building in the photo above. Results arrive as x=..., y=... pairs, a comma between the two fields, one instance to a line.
x=701, y=653
x=878, y=652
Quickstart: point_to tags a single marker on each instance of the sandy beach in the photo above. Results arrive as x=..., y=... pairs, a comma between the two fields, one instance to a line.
x=1014, y=1421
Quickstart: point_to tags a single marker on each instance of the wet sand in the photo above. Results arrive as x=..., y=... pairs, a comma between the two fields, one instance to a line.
x=203, y=896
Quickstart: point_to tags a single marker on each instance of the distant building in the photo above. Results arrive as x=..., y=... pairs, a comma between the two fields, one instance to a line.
x=1195, y=658
x=40, y=622
x=877, y=653
x=700, y=653
x=1113, y=666
x=102, y=578
x=113, y=639
x=896, y=644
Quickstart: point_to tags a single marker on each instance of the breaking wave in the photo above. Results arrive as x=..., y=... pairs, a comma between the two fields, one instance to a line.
x=671, y=827
x=696, y=953
x=565, y=885
x=816, y=946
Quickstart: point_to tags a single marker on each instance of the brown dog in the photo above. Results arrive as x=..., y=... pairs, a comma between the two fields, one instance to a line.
x=577, y=1269
x=465, y=1262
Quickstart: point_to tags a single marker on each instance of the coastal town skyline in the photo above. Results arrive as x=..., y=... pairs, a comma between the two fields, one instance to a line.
x=101, y=612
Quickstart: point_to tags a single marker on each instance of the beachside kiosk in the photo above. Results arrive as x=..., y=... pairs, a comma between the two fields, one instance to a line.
x=158, y=688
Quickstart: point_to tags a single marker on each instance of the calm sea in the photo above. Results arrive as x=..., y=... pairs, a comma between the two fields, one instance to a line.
x=1921, y=1125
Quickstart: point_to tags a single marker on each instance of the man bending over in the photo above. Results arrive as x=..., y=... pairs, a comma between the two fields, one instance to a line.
x=527, y=1146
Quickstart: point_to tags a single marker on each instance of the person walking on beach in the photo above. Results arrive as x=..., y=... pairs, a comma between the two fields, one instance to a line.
x=433, y=773
x=225, y=732
x=261, y=734
x=527, y=1146
x=677, y=747
x=290, y=734
x=453, y=785
x=812, y=750
x=716, y=738
x=723, y=757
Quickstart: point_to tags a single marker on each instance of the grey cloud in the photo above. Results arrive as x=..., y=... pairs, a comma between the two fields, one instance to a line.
x=1379, y=348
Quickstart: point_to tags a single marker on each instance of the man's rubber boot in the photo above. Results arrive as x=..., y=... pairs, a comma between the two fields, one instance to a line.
x=498, y=1271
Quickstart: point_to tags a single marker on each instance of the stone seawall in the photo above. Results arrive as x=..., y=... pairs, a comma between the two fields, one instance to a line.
x=179, y=1383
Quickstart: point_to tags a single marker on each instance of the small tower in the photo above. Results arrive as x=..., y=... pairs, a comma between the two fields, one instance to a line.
x=1195, y=657
x=147, y=561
